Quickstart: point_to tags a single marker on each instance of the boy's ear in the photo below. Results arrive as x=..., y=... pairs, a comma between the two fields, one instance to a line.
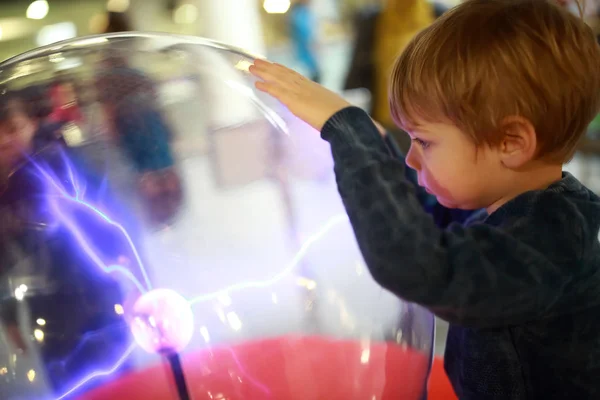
x=519, y=141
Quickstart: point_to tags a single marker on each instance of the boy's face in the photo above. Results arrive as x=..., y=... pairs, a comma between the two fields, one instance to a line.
x=452, y=168
x=16, y=135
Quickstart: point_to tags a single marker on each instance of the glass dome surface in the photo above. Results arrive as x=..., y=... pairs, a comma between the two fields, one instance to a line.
x=168, y=232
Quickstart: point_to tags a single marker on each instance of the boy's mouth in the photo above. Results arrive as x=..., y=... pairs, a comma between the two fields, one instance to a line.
x=424, y=187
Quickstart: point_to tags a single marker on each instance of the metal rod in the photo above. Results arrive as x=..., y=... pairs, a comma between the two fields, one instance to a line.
x=177, y=368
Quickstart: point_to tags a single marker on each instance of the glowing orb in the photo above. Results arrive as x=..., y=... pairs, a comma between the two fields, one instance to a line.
x=162, y=321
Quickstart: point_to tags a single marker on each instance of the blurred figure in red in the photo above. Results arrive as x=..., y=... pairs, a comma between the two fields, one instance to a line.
x=64, y=103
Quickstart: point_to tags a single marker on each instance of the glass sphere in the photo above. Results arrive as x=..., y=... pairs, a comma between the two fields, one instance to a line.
x=168, y=231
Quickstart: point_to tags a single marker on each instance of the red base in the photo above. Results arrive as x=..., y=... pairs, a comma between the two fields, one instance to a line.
x=287, y=368
x=439, y=385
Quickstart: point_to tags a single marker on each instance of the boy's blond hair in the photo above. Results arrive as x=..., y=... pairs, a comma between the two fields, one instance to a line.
x=486, y=60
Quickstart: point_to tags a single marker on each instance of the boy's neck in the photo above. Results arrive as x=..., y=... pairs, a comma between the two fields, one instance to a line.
x=535, y=177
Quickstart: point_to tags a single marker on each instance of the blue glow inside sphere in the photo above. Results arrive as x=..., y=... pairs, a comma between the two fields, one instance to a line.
x=168, y=230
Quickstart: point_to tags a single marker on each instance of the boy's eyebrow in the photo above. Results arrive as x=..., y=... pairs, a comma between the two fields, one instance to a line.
x=419, y=129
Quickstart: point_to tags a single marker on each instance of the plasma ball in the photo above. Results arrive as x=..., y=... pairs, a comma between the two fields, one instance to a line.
x=162, y=321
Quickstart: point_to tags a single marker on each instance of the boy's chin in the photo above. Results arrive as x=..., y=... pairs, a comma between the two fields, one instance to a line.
x=450, y=204
x=445, y=202
x=457, y=206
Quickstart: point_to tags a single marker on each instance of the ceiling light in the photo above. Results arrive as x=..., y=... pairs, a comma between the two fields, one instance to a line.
x=38, y=9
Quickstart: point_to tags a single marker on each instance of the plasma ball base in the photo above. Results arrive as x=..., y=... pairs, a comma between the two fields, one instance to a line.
x=285, y=368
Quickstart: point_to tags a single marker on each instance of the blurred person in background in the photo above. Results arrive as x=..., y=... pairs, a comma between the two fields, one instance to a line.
x=398, y=23
x=40, y=107
x=130, y=101
x=117, y=22
x=302, y=30
x=66, y=117
x=382, y=32
x=67, y=290
x=64, y=103
x=439, y=8
x=361, y=73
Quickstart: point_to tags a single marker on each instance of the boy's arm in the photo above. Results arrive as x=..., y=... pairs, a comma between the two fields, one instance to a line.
x=477, y=276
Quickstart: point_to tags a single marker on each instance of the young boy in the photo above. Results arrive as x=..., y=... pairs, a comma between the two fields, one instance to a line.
x=495, y=96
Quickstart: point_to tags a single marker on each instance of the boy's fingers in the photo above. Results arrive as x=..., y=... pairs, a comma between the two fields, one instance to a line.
x=259, y=72
x=286, y=74
x=262, y=86
x=265, y=75
x=273, y=89
x=260, y=62
x=271, y=72
x=264, y=67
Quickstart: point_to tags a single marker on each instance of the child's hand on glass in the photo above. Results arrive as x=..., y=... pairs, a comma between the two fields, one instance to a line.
x=307, y=100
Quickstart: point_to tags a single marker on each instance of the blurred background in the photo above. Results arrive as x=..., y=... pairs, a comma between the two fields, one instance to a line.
x=331, y=24
x=347, y=45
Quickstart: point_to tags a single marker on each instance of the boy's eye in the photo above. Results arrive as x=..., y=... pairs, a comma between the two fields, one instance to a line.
x=421, y=143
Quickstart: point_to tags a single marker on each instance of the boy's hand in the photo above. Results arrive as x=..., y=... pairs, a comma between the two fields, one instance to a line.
x=305, y=99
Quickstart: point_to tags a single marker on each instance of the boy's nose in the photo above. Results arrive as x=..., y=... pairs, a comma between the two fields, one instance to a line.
x=411, y=159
